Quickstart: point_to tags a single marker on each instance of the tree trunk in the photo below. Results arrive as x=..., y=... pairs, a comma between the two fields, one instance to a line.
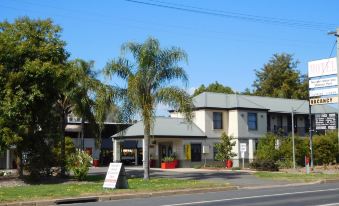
x=19, y=162
x=82, y=134
x=63, y=121
x=146, y=151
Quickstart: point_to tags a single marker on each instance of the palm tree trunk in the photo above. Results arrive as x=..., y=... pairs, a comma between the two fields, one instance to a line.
x=82, y=144
x=63, y=123
x=146, y=151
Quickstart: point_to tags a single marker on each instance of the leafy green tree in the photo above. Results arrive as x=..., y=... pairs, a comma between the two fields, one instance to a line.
x=32, y=64
x=280, y=78
x=224, y=148
x=148, y=80
x=247, y=92
x=213, y=87
x=69, y=148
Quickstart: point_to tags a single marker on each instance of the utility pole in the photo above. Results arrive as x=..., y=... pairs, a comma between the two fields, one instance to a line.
x=336, y=34
x=293, y=145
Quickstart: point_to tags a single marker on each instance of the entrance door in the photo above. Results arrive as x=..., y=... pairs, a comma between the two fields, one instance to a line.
x=195, y=152
x=165, y=150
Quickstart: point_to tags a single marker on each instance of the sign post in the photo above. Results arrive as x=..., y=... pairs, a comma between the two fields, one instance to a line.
x=243, y=148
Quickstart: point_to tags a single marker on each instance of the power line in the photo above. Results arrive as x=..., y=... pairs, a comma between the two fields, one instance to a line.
x=240, y=16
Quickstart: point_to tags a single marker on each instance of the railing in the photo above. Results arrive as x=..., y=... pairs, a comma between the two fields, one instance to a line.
x=287, y=130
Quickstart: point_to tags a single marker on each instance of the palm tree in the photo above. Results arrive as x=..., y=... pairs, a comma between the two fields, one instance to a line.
x=86, y=97
x=148, y=79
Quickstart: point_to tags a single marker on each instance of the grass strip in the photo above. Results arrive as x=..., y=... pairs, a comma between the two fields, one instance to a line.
x=93, y=186
x=296, y=177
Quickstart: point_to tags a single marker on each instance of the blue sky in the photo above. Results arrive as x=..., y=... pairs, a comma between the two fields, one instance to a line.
x=224, y=48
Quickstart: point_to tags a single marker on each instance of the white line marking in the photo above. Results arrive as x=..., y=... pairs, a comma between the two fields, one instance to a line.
x=252, y=197
x=331, y=204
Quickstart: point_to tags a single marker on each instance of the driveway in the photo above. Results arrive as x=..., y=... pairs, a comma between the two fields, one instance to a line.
x=237, y=178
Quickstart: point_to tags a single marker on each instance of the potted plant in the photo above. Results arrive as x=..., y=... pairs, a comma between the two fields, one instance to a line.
x=167, y=163
x=175, y=160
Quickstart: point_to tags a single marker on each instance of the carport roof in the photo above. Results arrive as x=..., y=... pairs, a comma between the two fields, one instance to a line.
x=164, y=127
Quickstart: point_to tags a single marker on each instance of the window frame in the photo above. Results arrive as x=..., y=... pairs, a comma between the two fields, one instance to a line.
x=215, y=120
x=253, y=114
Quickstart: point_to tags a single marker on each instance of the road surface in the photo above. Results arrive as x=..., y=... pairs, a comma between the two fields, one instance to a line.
x=316, y=194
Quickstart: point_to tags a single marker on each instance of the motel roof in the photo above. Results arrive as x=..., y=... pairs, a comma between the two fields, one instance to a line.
x=210, y=100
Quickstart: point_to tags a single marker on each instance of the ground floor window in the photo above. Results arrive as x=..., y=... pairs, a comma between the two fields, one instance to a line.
x=195, y=152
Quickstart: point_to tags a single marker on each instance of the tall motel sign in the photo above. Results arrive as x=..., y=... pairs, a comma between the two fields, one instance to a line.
x=323, y=89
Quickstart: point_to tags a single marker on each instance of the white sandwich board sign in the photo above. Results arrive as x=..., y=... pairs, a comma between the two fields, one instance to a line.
x=115, y=177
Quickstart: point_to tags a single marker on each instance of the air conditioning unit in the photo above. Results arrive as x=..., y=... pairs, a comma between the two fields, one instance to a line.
x=205, y=149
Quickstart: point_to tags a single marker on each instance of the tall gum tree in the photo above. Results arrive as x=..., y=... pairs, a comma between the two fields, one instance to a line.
x=149, y=76
x=32, y=61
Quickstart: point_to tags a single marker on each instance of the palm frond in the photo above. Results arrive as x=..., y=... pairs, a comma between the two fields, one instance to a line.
x=120, y=67
x=177, y=98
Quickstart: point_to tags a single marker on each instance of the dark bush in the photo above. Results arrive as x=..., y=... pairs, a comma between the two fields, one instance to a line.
x=264, y=165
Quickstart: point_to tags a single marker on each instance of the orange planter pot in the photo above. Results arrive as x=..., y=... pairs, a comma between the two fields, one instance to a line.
x=176, y=163
x=167, y=165
x=229, y=163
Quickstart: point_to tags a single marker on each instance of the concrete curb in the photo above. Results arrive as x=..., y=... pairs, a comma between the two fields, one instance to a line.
x=329, y=181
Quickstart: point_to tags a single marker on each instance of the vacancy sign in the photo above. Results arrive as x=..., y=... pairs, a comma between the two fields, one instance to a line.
x=323, y=81
x=327, y=100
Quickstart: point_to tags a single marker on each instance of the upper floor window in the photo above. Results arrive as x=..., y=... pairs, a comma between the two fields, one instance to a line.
x=252, y=121
x=217, y=120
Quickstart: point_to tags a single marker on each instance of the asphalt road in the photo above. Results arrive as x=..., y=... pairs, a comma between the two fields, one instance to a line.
x=317, y=194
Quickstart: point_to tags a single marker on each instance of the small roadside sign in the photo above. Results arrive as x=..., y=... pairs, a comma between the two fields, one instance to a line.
x=115, y=177
x=243, y=147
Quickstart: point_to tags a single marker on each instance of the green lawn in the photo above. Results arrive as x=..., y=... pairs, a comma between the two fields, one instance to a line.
x=296, y=176
x=93, y=186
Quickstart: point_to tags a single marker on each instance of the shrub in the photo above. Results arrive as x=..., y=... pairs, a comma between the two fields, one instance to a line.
x=224, y=148
x=168, y=159
x=264, y=165
x=286, y=163
x=266, y=148
x=286, y=153
x=324, y=150
x=79, y=164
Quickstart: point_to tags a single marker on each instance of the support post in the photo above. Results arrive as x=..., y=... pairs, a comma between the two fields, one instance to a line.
x=8, y=159
x=311, y=131
x=116, y=151
x=293, y=144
